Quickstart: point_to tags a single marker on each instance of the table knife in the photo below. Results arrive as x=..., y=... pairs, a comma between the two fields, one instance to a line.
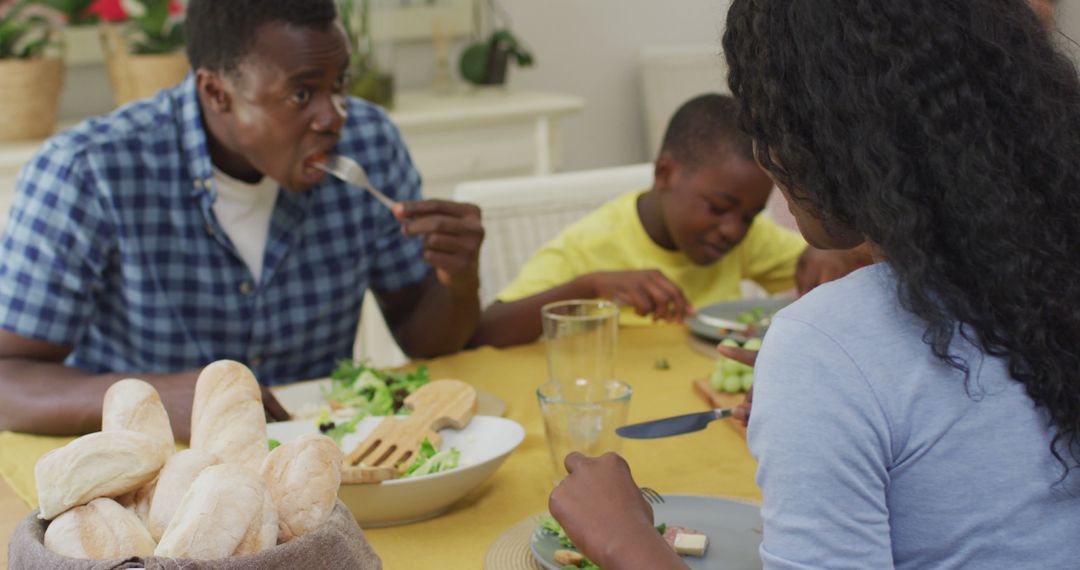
x=674, y=425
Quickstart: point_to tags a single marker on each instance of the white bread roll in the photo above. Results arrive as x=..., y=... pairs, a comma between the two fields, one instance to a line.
x=138, y=501
x=173, y=482
x=227, y=418
x=101, y=530
x=216, y=515
x=303, y=476
x=104, y=464
x=135, y=405
x=262, y=532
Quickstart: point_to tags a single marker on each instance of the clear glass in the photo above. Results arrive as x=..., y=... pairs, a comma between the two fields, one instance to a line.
x=581, y=337
x=588, y=426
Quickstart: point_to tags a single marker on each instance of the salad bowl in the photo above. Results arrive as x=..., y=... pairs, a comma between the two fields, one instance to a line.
x=484, y=444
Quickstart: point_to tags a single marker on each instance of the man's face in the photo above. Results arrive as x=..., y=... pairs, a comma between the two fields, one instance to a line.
x=287, y=102
x=708, y=209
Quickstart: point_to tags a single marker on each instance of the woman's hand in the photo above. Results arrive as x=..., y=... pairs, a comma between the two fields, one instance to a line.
x=747, y=357
x=603, y=512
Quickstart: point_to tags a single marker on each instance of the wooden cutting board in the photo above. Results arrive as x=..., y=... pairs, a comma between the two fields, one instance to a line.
x=717, y=399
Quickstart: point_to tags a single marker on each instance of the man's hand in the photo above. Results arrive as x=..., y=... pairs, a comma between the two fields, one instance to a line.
x=817, y=266
x=647, y=290
x=602, y=511
x=749, y=358
x=452, y=235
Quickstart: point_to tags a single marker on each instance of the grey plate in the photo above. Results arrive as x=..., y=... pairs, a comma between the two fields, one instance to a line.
x=730, y=311
x=733, y=528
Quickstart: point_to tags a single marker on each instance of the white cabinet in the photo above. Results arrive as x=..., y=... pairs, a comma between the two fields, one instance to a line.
x=481, y=133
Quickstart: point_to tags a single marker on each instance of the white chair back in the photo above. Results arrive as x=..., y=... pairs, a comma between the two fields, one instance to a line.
x=522, y=214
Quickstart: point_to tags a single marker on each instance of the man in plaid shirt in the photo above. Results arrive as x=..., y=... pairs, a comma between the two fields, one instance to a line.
x=192, y=227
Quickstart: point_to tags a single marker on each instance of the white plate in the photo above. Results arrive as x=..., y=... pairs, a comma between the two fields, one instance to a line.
x=730, y=311
x=484, y=444
x=304, y=399
x=733, y=528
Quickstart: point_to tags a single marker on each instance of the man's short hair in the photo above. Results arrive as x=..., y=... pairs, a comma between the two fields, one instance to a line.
x=219, y=33
x=704, y=125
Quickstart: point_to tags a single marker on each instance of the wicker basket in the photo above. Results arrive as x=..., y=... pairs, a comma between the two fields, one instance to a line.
x=30, y=97
x=138, y=76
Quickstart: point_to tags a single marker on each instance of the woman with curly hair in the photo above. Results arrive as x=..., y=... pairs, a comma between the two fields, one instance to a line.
x=923, y=412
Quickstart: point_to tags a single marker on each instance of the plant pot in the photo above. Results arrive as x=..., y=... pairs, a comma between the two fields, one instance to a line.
x=135, y=76
x=30, y=97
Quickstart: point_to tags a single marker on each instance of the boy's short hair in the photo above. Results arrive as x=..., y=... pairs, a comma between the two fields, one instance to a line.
x=219, y=33
x=701, y=126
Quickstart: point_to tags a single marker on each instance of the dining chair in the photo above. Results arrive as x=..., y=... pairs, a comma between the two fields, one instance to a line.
x=522, y=214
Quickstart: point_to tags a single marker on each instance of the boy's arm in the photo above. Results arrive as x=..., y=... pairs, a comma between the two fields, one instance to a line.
x=648, y=291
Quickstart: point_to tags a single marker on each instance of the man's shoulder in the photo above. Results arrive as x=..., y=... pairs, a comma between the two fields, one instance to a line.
x=153, y=124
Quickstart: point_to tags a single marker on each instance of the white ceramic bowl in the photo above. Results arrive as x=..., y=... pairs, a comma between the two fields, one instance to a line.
x=484, y=444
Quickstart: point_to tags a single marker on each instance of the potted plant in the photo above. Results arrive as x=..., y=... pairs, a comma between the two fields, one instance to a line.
x=145, y=52
x=367, y=79
x=30, y=79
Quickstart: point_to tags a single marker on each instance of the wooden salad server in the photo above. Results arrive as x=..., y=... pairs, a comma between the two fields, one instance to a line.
x=437, y=405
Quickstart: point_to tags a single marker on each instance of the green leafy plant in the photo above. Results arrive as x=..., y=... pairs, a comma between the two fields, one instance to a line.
x=151, y=28
x=23, y=35
x=77, y=12
x=366, y=79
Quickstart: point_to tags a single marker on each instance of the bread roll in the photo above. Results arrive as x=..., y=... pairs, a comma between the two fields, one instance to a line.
x=101, y=530
x=135, y=405
x=216, y=516
x=262, y=532
x=227, y=418
x=303, y=476
x=104, y=464
x=173, y=482
x=138, y=501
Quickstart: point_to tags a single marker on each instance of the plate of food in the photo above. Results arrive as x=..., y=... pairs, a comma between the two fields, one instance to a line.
x=739, y=320
x=732, y=531
x=357, y=387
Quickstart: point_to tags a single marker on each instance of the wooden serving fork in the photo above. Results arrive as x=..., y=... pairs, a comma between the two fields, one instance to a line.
x=436, y=405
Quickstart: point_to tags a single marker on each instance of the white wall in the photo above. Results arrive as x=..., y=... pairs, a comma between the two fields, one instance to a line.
x=590, y=48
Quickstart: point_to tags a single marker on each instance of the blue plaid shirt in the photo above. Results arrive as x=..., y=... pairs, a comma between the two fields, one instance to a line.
x=112, y=248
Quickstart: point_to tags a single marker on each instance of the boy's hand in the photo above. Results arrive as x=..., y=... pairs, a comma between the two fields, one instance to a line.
x=452, y=236
x=817, y=266
x=749, y=358
x=647, y=290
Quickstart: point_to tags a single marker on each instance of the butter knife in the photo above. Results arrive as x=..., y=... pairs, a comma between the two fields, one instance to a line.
x=674, y=425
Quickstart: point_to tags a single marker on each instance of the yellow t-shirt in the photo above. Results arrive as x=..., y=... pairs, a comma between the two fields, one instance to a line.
x=613, y=239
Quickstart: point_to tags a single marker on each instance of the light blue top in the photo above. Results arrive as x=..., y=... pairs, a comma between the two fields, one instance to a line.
x=872, y=454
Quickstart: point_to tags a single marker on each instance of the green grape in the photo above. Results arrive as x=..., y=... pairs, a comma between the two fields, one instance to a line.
x=730, y=367
x=753, y=344
x=747, y=381
x=732, y=384
x=729, y=342
x=717, y=379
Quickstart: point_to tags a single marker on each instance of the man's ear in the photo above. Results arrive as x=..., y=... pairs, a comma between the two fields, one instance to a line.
x=664, y=170
x=214, y=90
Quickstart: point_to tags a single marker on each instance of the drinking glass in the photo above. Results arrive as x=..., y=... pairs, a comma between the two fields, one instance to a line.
x=573, y=423
x=581, y=336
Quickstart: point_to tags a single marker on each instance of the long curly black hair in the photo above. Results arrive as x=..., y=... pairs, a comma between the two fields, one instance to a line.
x=948, y=133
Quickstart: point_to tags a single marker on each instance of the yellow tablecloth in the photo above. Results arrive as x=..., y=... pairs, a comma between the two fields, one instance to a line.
x=711, y=462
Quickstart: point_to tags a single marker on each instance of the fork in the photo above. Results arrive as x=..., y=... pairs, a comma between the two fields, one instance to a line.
x=651, y=495
x=351, y=172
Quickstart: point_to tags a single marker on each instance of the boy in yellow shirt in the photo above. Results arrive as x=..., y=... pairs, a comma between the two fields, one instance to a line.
x=689, y=241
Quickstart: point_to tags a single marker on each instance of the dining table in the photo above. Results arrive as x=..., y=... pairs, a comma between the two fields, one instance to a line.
x=659, y=362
